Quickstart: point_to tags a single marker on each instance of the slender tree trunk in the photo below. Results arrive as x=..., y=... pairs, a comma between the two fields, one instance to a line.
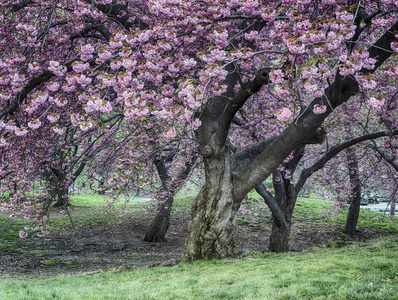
x=279, y=239
x=213, y=211
x=392, y=205
x=161, y=222
x=355, y=205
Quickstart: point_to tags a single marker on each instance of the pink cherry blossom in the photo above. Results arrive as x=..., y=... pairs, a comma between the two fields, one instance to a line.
x=310, y=87
x=319, y=109
x=80, y=67
x=376, y=103
x=170, y=134
x=52, y=117
x=56, y=68
x=284, y=114
x=58, y=130
x=3, y=142
x=34, y=124
x=276, y=76
x=20, y=131
x=53, y=87
x=106, y=107
x=86, y=125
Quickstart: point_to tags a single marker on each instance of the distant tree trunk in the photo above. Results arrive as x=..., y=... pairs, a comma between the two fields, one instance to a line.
x=353, y=211
x=160, y=224
x=279, y=239
x=60, y=190
x=101, y=190
x=281, y=206
x=392, y=205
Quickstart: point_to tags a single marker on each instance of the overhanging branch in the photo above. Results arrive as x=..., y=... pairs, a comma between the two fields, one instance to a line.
x=306, y=173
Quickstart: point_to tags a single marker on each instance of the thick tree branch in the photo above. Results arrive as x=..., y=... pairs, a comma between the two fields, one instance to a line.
x=162, y=172
x=98, y=27
x=33, y=83
x=245, y=156
x=381, y=50
x=25, y=91
x=217, y=113
x=79, y=170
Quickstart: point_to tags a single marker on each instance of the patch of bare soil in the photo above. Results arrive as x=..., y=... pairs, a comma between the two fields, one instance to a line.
x=119, y=247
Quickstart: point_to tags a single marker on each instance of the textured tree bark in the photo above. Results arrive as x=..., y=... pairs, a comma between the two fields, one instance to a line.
x=353, y=211
x=213, y=211
x=279, y=239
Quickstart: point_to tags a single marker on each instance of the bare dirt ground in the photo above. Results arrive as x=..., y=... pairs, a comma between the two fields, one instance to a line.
x=90, y=250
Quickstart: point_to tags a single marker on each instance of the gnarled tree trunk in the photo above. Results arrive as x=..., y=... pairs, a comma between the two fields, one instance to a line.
x=213, y=211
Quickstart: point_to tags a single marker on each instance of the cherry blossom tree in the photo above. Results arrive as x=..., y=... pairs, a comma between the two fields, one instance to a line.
x=192, y=69
x=235, y=174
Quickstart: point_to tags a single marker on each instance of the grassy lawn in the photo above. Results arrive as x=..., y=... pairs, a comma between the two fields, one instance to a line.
x=360, y=271
x=339, y=271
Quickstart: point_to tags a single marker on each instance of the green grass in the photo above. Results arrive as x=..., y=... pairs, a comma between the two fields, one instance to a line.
x=86, y=210
x=360, y=271
x=96, y=200
x=357, y=271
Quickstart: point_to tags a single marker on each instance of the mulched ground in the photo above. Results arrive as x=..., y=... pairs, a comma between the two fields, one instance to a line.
x=119, y=247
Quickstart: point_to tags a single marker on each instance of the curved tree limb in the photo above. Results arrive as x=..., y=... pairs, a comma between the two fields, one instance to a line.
x=306, y=173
